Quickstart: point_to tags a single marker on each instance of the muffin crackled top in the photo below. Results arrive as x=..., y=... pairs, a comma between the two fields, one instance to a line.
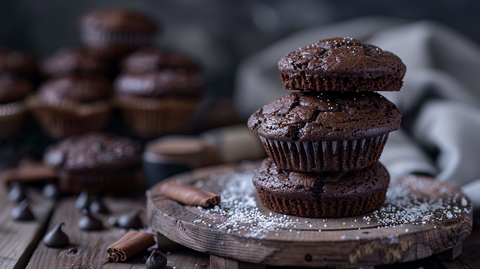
x=341, y=64
x=318, y=117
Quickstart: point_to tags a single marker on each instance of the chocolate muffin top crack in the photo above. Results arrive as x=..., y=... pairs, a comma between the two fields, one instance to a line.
x=326, y=117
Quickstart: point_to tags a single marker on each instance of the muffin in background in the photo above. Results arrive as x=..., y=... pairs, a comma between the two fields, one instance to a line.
x=151, y=59
x=80, y=60
x=18, y=63
x=13, y=110
x=97, y=162
x=115, y=32
x=72, y=104
x=159, y=93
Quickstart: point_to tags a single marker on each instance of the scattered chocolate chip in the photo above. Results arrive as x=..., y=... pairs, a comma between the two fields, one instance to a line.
x=51, y=191
x=130, y=220
x=22, y=211
x=83, y=200
x=72, y=251
x=56, y=238
x=17, y=192
x=97, y=206
x=156, y=260
x=112, y=221
x=308, y=258
x=89, y=222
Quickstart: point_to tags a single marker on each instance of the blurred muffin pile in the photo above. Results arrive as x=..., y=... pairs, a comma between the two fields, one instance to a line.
x=158, y=92
x=116, y=77
x=18, y=73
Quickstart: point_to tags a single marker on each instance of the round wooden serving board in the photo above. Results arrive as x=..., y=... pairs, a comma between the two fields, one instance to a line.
x=396, y=233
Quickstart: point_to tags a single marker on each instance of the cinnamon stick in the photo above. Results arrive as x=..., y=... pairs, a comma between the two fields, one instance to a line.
x=130, y=244
x=189, y=195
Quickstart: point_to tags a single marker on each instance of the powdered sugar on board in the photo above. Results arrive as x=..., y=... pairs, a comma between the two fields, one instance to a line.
x=409, y=201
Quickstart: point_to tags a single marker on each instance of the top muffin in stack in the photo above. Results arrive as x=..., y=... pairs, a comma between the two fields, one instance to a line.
x=335, y=126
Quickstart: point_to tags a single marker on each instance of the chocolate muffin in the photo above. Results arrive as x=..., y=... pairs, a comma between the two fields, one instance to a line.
x=13, y=110
x=73, y=104
x=97, y=162
x=116, y=32
x=18, y=63
x=335, y=194
x=341, y=64
x=74, y=61
x=160, y=102
x=150, y=59
x=318, y=132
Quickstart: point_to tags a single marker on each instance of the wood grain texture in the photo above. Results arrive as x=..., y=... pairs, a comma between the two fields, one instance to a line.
x=337, y=245
x=18, y=239
x=217, y=262
x=91, y=246
x=470, y=257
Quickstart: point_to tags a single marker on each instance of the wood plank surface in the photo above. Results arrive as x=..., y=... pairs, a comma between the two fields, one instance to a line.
x=341, y=242
x=91, y=245
x=19, y=238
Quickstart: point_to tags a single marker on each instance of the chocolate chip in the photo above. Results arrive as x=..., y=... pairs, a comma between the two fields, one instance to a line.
x=113, y=221
x=97, y=206
x=83, y=200
x=156, y=260
x=17, y=192
x=72, y=251
x=130, y=220
x=89, y=222
x=51, y=191
x=22, y=211
x=56, y=238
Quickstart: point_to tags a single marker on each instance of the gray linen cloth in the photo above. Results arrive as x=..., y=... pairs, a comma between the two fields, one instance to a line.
x=440, y=99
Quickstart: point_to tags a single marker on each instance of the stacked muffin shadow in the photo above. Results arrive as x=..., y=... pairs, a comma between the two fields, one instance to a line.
x=324, y=139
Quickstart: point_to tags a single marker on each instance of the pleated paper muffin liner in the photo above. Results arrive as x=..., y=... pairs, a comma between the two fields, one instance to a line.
x=325, y=156
x=12, y=118
x=149, y=118
x=117, y=180
x=98, y=37
x=114, y=44
x=316, y=208
x=68, y=118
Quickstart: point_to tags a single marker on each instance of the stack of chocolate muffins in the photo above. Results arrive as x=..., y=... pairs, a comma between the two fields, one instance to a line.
x=325, y=138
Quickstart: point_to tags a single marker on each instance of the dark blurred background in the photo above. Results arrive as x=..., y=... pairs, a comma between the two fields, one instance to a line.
x=218, y=33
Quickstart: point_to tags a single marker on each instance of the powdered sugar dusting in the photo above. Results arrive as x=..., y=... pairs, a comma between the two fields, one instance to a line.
x=239, y=210
x=406, y=203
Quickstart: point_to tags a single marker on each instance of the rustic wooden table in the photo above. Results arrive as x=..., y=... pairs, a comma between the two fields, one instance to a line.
x=21, y=245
